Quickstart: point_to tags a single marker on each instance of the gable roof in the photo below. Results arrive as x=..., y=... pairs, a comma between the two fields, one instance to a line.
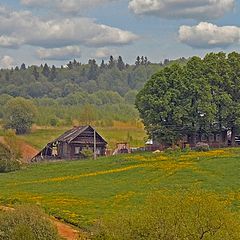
x=71, y=134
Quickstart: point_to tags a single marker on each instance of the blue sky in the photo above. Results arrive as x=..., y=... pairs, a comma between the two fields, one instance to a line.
x=56, y=31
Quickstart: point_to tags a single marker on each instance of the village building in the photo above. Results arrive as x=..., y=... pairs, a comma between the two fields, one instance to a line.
x=215, y=139
x=72, y=145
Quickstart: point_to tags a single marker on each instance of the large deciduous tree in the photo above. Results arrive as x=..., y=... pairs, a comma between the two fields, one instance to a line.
x=161, y=103
x=202, y=96
x=19, y=114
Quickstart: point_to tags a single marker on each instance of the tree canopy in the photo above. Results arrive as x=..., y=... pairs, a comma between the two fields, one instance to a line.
x=201, y=96
x=19, y=114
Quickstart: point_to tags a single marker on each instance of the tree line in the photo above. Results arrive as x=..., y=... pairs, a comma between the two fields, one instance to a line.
x=53, y=82
x=201, y=96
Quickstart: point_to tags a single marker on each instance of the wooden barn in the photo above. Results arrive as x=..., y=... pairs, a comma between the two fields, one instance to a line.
x=72, y=144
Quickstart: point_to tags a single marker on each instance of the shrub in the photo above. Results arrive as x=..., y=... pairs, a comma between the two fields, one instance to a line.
x=7, y=161
x=53, y=122
x=174, y=149
x=28, y=223
x=13, y=143
x=196, y=215
x=202, y=147
x=87, y=153
x=187, y=148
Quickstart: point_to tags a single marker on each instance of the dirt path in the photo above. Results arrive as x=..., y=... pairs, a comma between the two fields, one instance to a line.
x=66, y=231
x=28, y=152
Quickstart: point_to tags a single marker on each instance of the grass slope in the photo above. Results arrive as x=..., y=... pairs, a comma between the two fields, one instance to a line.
x=83, y=191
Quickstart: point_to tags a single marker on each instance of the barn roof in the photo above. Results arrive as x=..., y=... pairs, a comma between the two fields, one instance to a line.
x=71, y=134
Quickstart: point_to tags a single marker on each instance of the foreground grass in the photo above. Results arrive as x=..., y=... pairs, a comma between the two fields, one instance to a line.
x=81, y=192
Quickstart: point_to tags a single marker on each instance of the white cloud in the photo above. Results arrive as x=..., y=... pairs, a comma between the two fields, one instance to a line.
x=103, y=53
x=10, y=42
x=64, y=53
x=193, y=9
x=66, y=6
x=7, y=62
x=207, y=35
x=21, y=27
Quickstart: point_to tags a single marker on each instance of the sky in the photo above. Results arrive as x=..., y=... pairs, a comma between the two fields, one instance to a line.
x=57, y=31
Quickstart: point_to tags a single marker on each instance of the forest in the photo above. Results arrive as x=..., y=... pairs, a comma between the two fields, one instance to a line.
x=86, y=92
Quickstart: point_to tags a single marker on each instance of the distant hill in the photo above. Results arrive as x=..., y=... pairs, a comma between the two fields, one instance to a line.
x=91, y=92
x=45, y=81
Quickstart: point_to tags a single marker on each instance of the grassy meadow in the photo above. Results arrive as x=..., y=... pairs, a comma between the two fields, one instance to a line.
x=80, y=192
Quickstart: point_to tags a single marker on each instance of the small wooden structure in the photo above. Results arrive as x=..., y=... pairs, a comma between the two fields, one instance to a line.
x=72, y=145
x=122, y=148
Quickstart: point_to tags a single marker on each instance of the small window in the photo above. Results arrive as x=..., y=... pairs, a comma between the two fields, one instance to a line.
x=218, y=137
x=204, y=138
x=211, y=138
x=77, y=150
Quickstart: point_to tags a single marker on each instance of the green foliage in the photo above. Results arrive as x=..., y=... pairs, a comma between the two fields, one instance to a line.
x=19, y=114
x=62, y=93
x=202, y=147
x=199, y=97
x=28, y=223
x=87, y=152
x=7, y=161
x=13, y=143
x=195, y=215
x=53, y=82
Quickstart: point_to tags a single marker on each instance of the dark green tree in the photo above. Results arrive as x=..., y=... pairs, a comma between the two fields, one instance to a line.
x=93, y=69
x=120, y=63
x=138, y=61
x=35, y=73
x=53, y=73
x=19, y=114
x=111, y=63
x=46, y=70
x=23, y=66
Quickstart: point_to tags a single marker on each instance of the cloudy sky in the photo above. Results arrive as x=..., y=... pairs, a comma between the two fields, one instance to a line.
x=56, y=31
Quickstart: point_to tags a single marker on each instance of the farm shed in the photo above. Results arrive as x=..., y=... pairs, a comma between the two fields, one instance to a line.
x=72, y=144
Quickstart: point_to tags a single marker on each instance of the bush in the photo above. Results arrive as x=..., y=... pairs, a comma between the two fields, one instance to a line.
x=174, y=149
x=26, y=223
x=53, y=122
x=202, y=147
x=195, y=215
x=13, y=143
x=87, y=153
x=7, y=160
x=187, y=148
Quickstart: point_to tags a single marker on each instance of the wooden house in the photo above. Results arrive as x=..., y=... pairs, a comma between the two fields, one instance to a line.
x=214, y=139
x=72, y=144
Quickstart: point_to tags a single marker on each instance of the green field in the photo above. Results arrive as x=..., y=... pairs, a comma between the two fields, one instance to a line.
x=136, y=136
x=81, y=192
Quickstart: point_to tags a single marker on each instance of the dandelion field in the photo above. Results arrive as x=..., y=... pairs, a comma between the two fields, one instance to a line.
x=81, y=192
